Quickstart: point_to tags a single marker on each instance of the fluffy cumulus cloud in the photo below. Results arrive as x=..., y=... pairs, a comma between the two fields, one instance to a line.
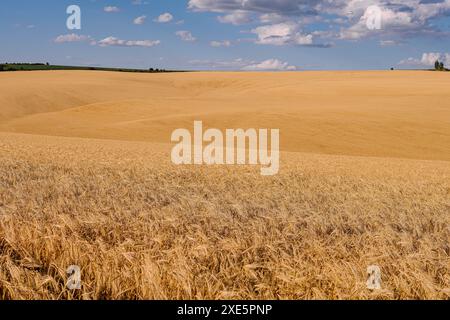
x=244, y=64
x=237, y=17
x=140, y=20
x=185, y=35
x=391, y=21
x=164, y=18
x=285, y=22
x=427, y=60
x=217, y=44
x=111, y=9
x=107, y=42
x=72, y=37
x=113, y=41
x=270, y=65
x=281, y=34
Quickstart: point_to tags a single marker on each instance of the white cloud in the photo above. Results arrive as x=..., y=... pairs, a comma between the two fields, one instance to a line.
x=164, y=18
x=244, y=65
x=140, y=20
x=217, y=44
x=391, y=21
x=72, y=37
x=270, y=65
x=109, y=41
x=111, y=9
x=113, y=41
x=236, y=18
x=185, y=35
x=282, y=34
x=346, y=19
x=271, y=18
x=428, y=59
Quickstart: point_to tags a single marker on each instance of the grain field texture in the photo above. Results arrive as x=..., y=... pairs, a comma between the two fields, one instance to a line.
x=86, y=179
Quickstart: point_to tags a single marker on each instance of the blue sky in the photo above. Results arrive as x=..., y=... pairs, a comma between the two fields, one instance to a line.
x=230, y=34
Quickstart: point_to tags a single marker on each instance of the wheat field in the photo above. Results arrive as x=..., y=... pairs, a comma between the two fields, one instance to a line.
x=86, y=179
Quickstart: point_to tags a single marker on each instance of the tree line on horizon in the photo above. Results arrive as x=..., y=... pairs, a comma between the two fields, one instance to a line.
x=26, y=66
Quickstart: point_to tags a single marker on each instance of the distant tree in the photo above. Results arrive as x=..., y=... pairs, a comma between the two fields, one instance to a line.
x=151, y=69
x=441, y=66
x=437, y=65
x=47, y=64
x=392, y=69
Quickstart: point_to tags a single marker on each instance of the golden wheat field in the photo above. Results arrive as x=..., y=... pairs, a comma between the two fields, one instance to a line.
x=86, y=179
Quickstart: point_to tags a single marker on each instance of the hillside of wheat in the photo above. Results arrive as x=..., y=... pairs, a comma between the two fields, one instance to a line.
x=86, y=179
